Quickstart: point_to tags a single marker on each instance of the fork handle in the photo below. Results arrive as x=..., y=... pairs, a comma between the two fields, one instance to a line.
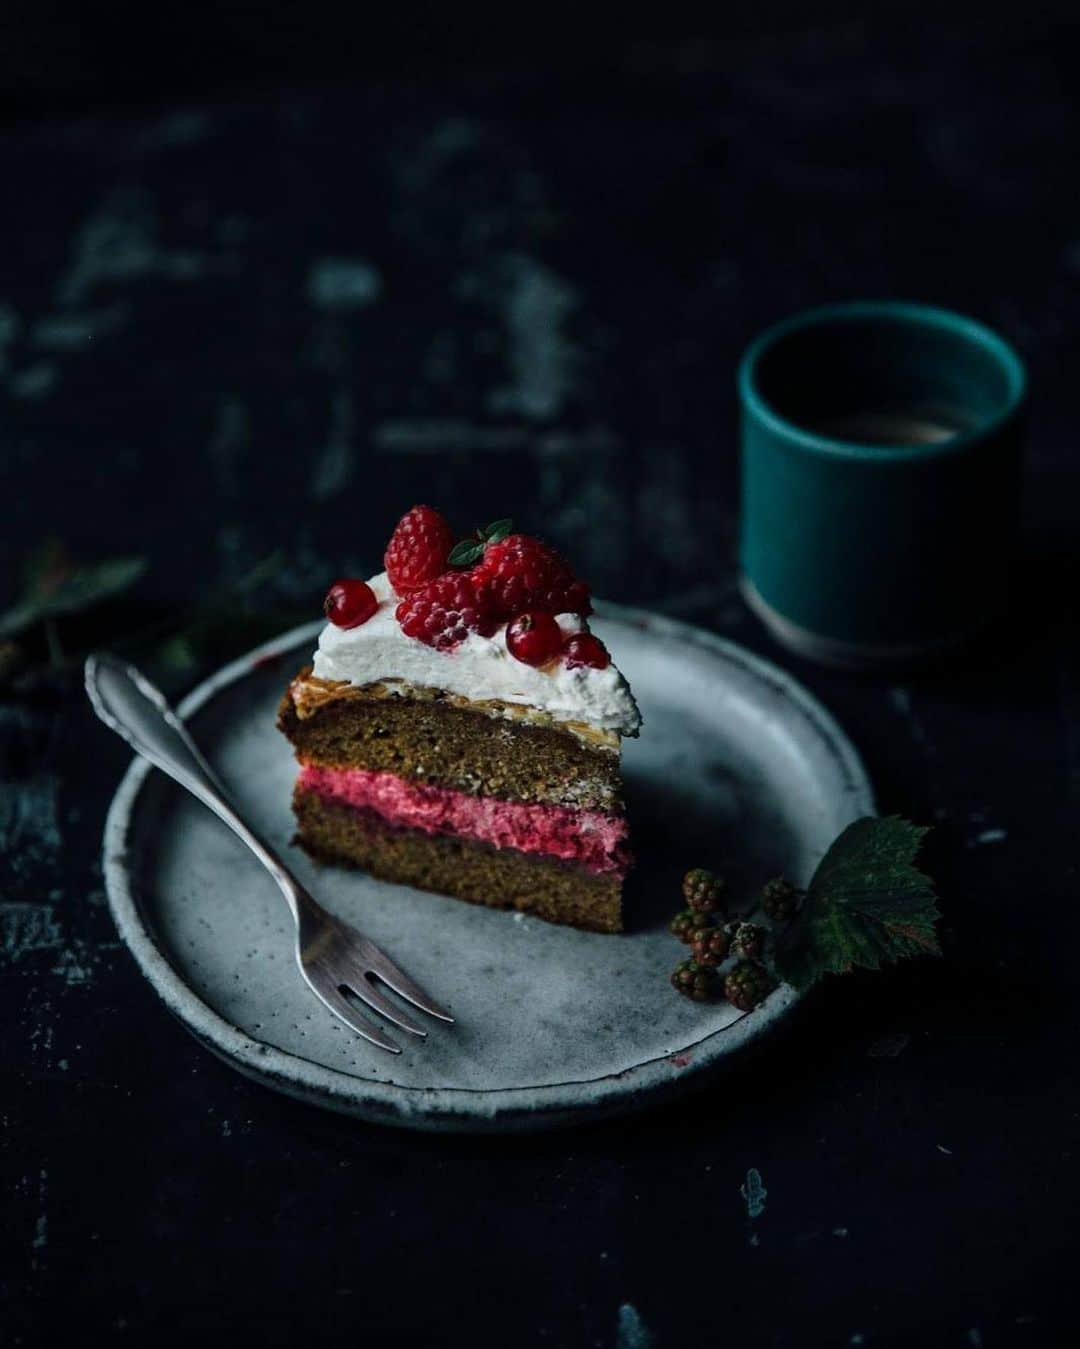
x=136, y=710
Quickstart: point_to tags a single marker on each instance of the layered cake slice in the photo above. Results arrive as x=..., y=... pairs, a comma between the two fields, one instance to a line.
x=460, y=728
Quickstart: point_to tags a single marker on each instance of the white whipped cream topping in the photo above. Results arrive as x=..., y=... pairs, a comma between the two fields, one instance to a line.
x=479, y=668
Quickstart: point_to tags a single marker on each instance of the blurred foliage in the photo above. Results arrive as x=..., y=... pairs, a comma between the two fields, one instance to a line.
x=55, y=584
x=63, y=613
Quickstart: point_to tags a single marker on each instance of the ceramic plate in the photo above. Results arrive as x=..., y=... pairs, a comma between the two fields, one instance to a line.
x=737, y=767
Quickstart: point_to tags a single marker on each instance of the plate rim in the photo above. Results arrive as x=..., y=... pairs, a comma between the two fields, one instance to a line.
x=514, y=1108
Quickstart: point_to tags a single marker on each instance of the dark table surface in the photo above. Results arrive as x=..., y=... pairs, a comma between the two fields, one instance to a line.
x=264, y=327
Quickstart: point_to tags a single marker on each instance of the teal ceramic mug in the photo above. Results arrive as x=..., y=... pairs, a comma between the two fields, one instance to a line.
x=881, y=446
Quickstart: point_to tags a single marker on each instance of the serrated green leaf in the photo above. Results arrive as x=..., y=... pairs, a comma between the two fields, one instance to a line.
x=867, y=905
x=465, y=553
x=497, y=530
x=57, y=587
x=871, y=851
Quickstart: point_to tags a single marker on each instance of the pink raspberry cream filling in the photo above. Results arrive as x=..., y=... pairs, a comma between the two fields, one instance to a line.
x=590, y=837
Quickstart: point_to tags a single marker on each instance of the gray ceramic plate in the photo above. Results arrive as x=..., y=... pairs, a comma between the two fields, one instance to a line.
x=737, y=767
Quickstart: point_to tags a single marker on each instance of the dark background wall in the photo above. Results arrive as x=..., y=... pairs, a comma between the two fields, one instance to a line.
x=65, y=56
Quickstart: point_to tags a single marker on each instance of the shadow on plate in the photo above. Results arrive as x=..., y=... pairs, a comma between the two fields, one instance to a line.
x=734, y=830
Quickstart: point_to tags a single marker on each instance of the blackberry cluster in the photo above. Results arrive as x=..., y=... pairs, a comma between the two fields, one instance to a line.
x=700, y=926
x=711, y=946
x=695, y=981
x=747, y=985
x=780, y=900
x=703, y=891
x=746, y=940
x=688, y=925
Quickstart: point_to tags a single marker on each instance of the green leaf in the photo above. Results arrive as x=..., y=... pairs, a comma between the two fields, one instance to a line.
x=55, y=585
x=179, y=653
x=88, y=585
x=497, y=530
x=18, y=617
x=867, y=905
x=468, y=551
x=465, y=553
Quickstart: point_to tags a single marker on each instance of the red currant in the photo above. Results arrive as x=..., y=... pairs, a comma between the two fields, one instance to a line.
x=349, y=602
x=585, y=649
x=534, y=637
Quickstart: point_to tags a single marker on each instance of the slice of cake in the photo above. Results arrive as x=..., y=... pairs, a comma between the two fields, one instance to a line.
x=460, y=728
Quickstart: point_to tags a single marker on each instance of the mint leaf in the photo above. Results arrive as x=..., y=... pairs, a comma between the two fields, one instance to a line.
x=867, y=905
x=471, y=550
x=465, y=553
x=497, y=530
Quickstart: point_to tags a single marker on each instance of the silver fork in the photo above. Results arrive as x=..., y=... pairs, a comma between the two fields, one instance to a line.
x=334, y=959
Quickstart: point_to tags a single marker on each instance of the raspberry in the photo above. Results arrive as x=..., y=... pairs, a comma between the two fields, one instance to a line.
x=418, y=549
x=534, y=638
x=694, y=981
x=747, y=985
x=703, y=890
x=710, y=946
x=585, y=649
x=349, y=603
x=526, y=574
x=688, y=925
x=446, y=610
